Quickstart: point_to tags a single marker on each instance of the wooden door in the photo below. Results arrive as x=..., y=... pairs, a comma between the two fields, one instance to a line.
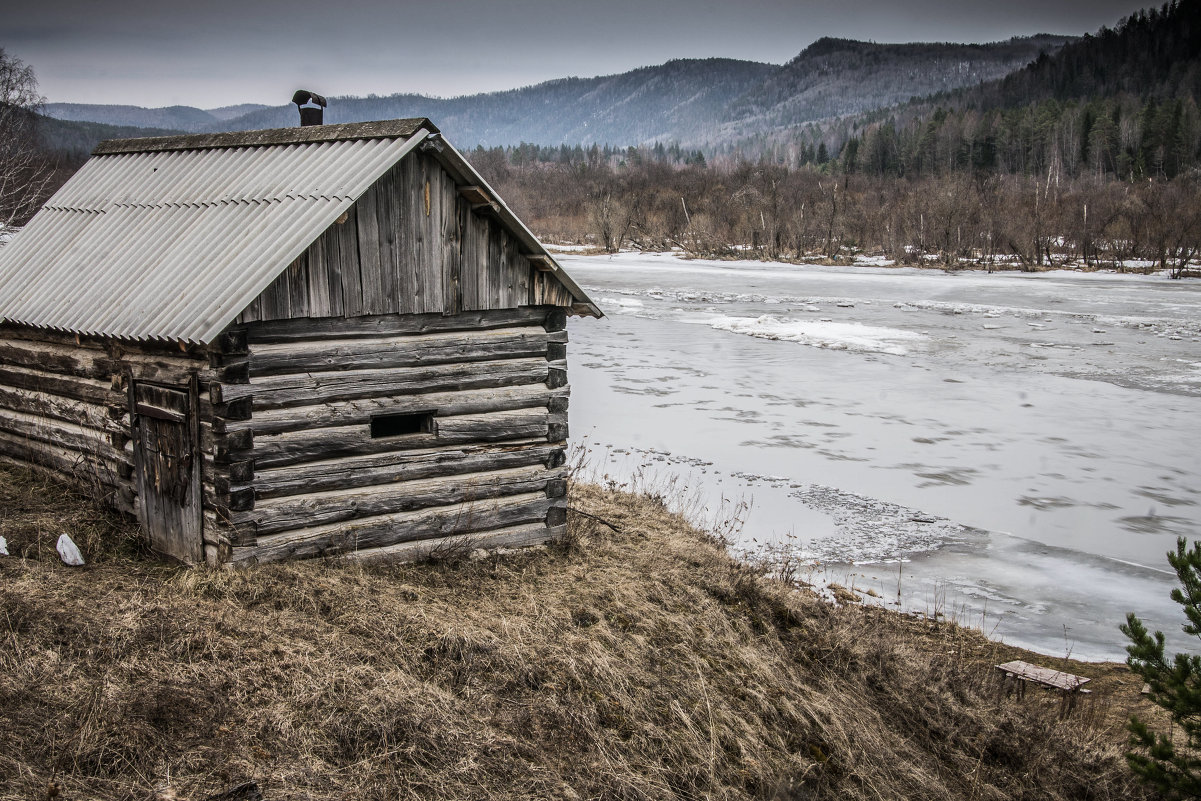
x=167, y=454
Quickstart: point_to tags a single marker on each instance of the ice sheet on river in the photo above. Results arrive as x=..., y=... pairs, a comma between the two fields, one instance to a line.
x=1000, y=432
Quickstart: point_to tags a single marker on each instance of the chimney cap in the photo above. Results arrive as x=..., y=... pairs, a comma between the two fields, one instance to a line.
x=304, y=96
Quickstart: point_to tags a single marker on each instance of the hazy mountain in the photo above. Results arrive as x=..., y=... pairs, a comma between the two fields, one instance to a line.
x=836, y=77
x=230, y=112
x=181, y=118
x=650, y=103
x=77, y=139
x=690, y=101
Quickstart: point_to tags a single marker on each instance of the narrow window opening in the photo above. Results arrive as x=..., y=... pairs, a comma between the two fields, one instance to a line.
x=395, y=425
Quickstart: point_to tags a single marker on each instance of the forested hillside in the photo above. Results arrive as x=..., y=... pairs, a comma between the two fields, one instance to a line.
x=836, y=77
x=1121, y=103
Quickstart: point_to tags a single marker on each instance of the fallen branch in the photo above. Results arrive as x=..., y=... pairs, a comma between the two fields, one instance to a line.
x=597, y=518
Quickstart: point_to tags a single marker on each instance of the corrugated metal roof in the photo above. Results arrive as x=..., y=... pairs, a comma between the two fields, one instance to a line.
x=148, y=242
x=171, y=237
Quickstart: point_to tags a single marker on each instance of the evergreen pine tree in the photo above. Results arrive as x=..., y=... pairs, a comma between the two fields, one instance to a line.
x=1171, y=764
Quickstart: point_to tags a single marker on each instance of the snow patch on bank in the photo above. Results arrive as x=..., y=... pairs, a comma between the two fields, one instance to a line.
x=822, y=334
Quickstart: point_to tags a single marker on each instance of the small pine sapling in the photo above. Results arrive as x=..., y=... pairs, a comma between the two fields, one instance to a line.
x=1170, y=762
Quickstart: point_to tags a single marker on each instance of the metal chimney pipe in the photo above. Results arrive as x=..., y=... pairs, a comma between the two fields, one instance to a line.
x=311, y=105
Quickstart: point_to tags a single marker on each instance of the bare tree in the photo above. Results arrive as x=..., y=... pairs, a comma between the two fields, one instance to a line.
x=24, y=172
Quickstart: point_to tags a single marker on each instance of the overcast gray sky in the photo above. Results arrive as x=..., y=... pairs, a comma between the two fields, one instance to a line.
x=209, y=53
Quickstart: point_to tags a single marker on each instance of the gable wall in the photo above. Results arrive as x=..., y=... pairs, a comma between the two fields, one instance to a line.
x=397, y=253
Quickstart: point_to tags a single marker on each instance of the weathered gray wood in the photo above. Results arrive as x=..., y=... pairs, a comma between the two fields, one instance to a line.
x=556, y=427
x=497, y=298
x=391, y=246
x=108, y=467
x=557, y=374
x=475, y=516
x=59, y=433
x=168, y=470
x=519, y=273
x=1048, y=677
x=430, y=244
x=408, y=220
x=397, y=466
x=513, y=537
x=66, y=360
x=323, y=508
x=275, y=300
x=344, y=260
x=404, y=351
x=301, y=390
x=318, y=280
x=452, y=250
x=549, y=291
x=97, y=478
x=360, y=412
x=82, y=389
x=107, y=418
x=556, y=515
x=329, y=443
x=389, y=325
x=370, y=268
x=252, y=312
x=298, y=286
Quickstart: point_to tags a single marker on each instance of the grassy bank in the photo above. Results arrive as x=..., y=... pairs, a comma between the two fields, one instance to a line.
x=635, y=660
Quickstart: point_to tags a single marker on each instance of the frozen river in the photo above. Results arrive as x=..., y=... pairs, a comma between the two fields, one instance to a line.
x=1020, y=450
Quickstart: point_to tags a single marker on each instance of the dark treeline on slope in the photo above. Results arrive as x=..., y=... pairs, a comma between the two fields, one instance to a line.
x=1120, y=103
x=644, y=199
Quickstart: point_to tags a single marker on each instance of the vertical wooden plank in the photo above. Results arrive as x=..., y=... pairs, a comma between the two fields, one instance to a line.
x=251, y=313
x=434, y=244
x=344, y=257
x=452, y=249
x=496, y=266
x=318, y=279
x=276, y=299
x=369, y=252
x=407, y=209
x=391, y=246
x=472, y=267
x=298, y=286
x=519, y=275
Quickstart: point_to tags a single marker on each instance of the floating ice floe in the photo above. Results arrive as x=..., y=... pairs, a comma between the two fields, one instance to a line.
x=822, y=334
x=69, y=552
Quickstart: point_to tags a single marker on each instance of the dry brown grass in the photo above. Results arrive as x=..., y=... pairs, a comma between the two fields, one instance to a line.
x=641, y=663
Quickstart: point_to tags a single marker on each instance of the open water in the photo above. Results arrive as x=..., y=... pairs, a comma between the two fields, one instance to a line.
x=1017, y=451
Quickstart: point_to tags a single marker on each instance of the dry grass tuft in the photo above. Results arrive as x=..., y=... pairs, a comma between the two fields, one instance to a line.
x=641, y=663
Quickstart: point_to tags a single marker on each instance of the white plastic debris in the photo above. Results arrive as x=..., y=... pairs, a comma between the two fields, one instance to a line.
x=3, y=547
x=69, y=553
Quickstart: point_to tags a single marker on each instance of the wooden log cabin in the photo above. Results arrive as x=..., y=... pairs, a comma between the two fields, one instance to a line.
x=333, y=339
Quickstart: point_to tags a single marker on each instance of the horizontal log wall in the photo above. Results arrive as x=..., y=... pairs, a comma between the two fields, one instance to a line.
x=64, y=409
x=412, y=244
x=488, y=469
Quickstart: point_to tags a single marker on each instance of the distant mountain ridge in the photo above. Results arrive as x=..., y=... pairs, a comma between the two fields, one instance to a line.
x=178, y=118
x=837, y=77
x=695, y=102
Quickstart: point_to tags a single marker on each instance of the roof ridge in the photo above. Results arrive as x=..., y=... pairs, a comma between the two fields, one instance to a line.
x=380, y=129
